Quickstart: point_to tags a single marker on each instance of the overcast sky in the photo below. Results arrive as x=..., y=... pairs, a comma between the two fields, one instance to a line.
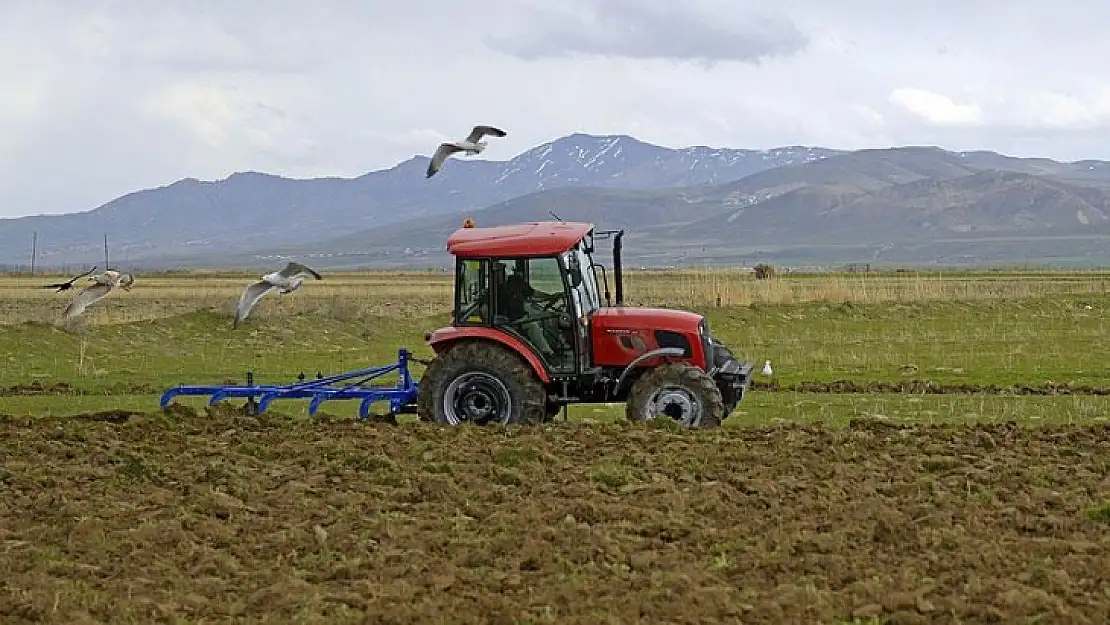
x=101, y=98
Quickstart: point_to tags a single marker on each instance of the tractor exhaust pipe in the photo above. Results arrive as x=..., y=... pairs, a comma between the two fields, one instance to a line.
x=618, y=277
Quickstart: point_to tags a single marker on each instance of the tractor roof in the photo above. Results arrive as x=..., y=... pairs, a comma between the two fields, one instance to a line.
x=541, y=238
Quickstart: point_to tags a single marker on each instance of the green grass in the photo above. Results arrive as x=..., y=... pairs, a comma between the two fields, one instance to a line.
x=984, y=340
x=201, y=348
x=1003, y=342
x=1026, y=341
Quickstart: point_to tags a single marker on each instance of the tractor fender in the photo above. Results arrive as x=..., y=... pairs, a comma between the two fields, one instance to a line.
x=655, y=353
x=443, y=337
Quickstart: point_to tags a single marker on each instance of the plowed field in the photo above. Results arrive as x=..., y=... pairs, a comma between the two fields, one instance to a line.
x=210, y=518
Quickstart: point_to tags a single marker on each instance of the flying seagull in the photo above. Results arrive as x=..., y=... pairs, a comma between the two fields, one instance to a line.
x=471, y=145
x=68, y=284
x=286, y=281
x=102, y=285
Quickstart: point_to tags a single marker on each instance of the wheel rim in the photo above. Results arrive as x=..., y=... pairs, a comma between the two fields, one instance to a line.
x=476, y=397
x=677, y=403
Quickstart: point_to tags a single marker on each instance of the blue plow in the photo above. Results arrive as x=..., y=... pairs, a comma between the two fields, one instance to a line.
x=401, y=397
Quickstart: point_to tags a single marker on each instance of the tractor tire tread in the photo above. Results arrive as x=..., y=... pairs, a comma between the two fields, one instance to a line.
x=689, y=377
x=492, y=358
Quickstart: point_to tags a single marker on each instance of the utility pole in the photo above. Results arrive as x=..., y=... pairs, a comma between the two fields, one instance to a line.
x=105, y=251
x=34, y=249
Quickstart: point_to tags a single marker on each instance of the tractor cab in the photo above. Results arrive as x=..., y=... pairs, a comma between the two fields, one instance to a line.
x=538, y=286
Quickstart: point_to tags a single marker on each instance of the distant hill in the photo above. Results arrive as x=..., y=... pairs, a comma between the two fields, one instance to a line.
x=252, y=210
x=802, y=205
x=983, y=203
x=911, y=204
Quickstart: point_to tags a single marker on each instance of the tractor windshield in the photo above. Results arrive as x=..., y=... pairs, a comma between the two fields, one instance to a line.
x=583, y=282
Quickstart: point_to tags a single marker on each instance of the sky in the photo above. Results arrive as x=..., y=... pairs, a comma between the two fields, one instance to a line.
x=101, y=98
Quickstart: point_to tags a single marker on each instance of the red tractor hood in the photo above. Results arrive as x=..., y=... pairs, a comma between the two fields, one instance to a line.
x=635, y=318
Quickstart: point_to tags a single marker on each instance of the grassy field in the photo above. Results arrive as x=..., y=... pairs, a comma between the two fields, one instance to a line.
x=815, y=504
x=964, y=331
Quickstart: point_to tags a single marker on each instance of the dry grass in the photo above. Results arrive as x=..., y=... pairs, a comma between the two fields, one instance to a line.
x=738, y=287
x=356, y=295
x=339, y=295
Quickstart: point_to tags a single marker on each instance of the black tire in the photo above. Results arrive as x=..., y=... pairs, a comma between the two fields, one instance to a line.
x=489, y=384
x=693, y=396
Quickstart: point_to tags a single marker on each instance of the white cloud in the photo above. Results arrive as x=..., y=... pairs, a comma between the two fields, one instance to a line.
x=936, y=108
x=652, y=29
x=101, y=99
x=1067, y=111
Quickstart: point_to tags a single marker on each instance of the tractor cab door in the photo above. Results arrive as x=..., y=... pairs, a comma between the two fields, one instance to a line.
x=531, y=302
x=471, y=293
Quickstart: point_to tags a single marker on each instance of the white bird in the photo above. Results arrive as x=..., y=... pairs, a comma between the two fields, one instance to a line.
x=767, y=367
x=471, y=145
x=287, y=280
x=102, y=285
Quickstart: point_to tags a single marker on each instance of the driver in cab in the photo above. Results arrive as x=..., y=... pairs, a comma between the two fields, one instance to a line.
x=524, y=305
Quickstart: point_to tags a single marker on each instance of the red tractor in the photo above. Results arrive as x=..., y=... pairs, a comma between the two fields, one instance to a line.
x=530, y=335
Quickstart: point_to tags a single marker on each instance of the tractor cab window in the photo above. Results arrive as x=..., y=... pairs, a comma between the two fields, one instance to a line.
x=532, y=303
x=471, y=293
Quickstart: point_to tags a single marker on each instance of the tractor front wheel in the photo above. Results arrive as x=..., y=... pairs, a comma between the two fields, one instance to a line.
x=677, y=391
x=481, y=383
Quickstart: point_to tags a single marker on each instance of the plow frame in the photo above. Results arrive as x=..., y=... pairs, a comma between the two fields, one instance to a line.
x=401, y=397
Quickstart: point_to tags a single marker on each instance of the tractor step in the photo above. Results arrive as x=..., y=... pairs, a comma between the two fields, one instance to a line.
x=400, y=397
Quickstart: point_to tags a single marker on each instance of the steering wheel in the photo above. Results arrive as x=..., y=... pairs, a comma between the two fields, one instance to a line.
x=547, y=302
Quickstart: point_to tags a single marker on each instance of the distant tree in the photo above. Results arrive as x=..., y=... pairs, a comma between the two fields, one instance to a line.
x=764, y=271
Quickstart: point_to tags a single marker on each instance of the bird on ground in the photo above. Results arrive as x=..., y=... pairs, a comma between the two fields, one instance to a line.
x=285, y=281
x=767, y=367
x=68, y=284
x=471, y=145
x=102, y=285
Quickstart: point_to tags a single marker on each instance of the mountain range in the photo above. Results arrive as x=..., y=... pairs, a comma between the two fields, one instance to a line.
x=797, y=204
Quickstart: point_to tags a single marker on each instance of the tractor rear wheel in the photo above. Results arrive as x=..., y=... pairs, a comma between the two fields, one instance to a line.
x=482, y=383
x=677, y=391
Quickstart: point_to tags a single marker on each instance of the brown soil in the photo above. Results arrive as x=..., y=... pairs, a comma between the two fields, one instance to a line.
x=158, y=518
x=928, y=387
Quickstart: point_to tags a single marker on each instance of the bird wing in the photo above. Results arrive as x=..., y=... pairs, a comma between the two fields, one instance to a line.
x=444, y=150
x=479, y=131
x=85, y=298
x=68, y=283
x=294, y=269
x=249, y=298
